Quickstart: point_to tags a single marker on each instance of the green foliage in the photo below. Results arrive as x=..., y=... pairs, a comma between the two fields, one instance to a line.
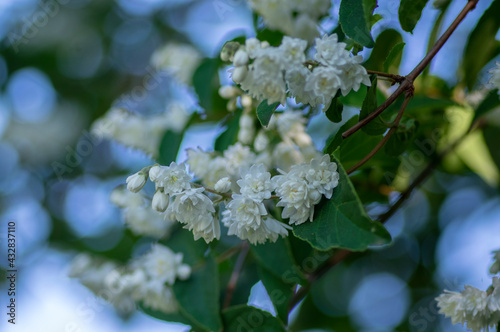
x=377, y=126
x=229, y=136
x=245, y=318
x=169, y=147
x=355, y=19
x=280, y=292
x=410, y=12
x=401, y=139
x=206, y=85
x=334, y=111
x=393, y=59
x=265, y=112
x=341, y=222
x=492, y=137
x=384, y=45
x=490, y=102
x=482, y=45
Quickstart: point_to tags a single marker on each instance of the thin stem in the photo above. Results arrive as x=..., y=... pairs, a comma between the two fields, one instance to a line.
x=231, y=286
x=228, y=253
x=393, y=77
x=407, y=83
x=384, y=140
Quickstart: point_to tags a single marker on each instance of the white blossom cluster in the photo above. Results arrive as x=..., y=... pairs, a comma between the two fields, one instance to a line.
x=279, y=15
x=495, y=77
x=138, y=215
x=140, y=132
x=269, y=73
x=181, y=60
x=147, y=279
x=480, y=310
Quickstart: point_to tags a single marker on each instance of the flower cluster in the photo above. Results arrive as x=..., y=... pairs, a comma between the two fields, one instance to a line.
x=181, y=60
x=148, y=279
x=480, y=310
x=495, y=77
x=279, y=15
x=140, y=132
x=268, y=73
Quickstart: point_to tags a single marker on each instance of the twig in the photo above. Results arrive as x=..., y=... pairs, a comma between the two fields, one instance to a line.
x=384, y=140
x=231, y=286
x=408, y=80
x=393, y=77
x=228, y=253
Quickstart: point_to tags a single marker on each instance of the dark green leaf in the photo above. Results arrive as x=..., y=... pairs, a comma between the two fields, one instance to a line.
x=281, y=262
x=377, y=125
x=265, y=112
x=410, y=12
x=353, y=19
x=198, y=296
x=336, y=139
x=173, y=317
x=385, y=42
x=169, y=147
x=394, y=57
x=279, y=292
x=229, y=136
x=492, y=137
x=402, y=138
x=490, y=102
x=243, y=318
x=341, y=222
x=334, y=111
x=206, y=83
x=273, y=37
x=482, y=46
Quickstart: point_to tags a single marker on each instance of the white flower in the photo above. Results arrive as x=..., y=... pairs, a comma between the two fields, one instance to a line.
x=125, y=198
x=198, y=161
x=162, y=264
x=240, y=58
x=495, y=76
x=223, y=185
x=323, y=175
x=252, y=46
x=324, y=82
x=238, y=156
x=155, y=172
x=179, y=59
x=255, y=183
x=229, y=91
x=196, y=210
x=136, y=182
x=158, y=297
x=296, y=79
x=474, y=307
x=352, y=76
x=495, y=268
x=142, y=220
x=174, y=178
x=330, y=52
x=261, y=141
x=293, y=51
x=305, y=27
x=160, y=201
x=244, y=212
x=175, y=118
x=239, y=74
x=269, y=229
x=216, y=169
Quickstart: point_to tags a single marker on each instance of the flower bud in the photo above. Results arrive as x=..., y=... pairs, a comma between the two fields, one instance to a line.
x=154, y=173
x=228, y=91
x=160, y=201
x=239, y=74
x=136, y=181
x=261, y=141
x=183, y=271
x=223, y=185
x=246, y=121
x=240, y=58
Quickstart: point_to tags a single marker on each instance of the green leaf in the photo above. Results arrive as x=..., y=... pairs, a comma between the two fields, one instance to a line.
x=334, y=111
x=490, y=102
x=169, y=147
x=173, y=317
x=265, y=112
x=402, y=138
x=245, y=318
x=377, y=125
x=281, y=262
x=279, y=292
x=229, y=136
x=492, y=137
x=206, y=83
x=273, y=37
x=394, y=57
x=198, y=296
x=410, y=12
x=482, y=46
x=336, y=139
x=353, y=20
x=341, y=222
x=383, y=45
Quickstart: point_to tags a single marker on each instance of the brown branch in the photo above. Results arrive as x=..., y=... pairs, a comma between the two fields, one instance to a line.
x=231, y=286
x=384, y=140
x=393, y=77
x=407, y=83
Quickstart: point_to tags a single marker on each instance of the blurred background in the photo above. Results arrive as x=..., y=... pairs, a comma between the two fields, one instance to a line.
x=64, y=63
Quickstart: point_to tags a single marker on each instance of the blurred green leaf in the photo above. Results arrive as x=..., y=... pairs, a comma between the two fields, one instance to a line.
x=334, y=140
x=402, y=138
x=341, y=222
x=206, y=83
x=482, y=46
x=173, y=317
x=384, y=44
x=355, y=20
x=377, y=125
x=245, y=318
x=265, y=112
x=490, y=102
x=279, y=292
x=230, y=135
x=491, y=136
x=273, y=37
x=393, y=59
x=169, y=147
x=410, y=12
x=334, y=111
